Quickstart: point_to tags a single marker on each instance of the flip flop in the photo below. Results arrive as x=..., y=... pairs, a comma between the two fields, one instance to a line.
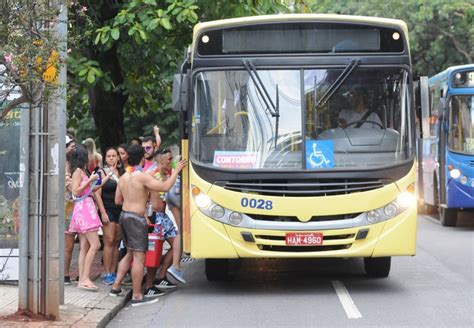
x=88, y=287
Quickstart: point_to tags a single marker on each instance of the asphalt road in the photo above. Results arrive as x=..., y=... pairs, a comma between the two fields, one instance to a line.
x=435, y=288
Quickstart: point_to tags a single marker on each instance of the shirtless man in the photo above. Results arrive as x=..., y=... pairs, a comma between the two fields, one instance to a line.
x=132, y=192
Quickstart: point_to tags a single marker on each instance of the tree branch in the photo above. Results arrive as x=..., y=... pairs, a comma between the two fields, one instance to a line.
x=456, y=43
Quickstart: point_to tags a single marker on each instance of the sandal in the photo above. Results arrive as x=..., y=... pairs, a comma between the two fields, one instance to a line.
x=91, y=288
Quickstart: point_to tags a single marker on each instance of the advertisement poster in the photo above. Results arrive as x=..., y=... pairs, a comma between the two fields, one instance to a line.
x=9, y=194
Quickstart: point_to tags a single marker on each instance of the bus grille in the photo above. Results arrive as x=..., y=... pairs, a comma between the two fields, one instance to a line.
x=305, y=188
x=315, y=218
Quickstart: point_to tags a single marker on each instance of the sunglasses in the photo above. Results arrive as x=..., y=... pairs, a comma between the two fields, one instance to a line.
x=148, y=148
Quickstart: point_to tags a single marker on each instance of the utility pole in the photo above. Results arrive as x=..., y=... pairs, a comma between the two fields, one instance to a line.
x=42, y=156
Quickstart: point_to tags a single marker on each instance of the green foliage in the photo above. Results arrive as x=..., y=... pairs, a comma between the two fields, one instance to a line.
x=147, y=38
x=28, y=52
x=441, y=31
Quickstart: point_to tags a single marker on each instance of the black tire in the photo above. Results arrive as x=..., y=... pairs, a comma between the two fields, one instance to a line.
x=217, y=269
x=448, y=216
x=377, y=267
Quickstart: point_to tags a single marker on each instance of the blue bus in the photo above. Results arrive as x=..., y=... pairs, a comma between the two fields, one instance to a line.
x=446, y=166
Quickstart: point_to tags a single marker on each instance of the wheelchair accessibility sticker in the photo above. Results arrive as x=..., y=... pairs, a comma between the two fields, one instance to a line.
x=319, y=154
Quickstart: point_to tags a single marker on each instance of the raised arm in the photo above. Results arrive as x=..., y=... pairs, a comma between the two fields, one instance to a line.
x=104, y=179
x=156, y=131
x=156, y=185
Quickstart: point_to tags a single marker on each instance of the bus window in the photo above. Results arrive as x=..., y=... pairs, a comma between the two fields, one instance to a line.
x=237, y=125
x=366, y=116
x=461, y=124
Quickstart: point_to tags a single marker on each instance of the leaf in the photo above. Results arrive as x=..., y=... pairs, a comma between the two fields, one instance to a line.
x=143, y=35
x=153, y=24
x=104, y=38
x=91, y=77
x=97, y=38
x=115, y=33
x=166, y=23
x=83, y=72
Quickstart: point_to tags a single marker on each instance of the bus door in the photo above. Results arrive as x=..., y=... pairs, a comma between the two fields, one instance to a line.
x=427, y=147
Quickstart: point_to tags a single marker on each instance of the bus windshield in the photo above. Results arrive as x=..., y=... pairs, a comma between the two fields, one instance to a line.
x=362, y=122
x=461, y=124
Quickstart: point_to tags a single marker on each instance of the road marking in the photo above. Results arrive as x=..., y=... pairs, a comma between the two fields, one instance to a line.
x=346, y=300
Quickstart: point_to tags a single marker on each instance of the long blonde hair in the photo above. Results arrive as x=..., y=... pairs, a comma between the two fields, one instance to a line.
x=91, y=149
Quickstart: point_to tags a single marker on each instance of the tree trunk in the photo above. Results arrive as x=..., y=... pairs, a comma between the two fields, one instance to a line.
x=108, y=106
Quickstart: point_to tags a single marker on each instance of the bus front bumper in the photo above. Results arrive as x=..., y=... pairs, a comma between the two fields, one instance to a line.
x=213, y=239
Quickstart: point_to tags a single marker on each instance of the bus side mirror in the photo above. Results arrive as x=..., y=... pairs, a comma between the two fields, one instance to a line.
x=180, y=96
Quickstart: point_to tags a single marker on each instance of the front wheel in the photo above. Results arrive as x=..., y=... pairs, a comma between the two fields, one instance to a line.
x=377, y=267
x=448, y=216
x=217, y=269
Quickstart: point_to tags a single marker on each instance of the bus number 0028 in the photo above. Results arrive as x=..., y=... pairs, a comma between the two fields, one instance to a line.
x=256, y=203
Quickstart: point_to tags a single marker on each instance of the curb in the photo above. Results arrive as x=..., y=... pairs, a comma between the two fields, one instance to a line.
x=115, y=310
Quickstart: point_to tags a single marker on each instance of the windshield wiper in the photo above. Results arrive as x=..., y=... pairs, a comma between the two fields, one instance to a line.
x=337, y=83
x=272, y=108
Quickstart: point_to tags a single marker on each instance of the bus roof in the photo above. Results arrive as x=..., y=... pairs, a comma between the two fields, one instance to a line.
x=299, y=18
x=443, y=76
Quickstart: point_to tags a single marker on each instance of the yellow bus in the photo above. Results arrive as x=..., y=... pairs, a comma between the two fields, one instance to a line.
x=300, y=135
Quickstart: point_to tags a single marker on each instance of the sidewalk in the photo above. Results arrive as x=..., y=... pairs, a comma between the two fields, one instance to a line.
x=81, y=308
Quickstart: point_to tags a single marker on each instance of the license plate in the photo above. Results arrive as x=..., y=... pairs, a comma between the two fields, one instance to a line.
x=304, y=239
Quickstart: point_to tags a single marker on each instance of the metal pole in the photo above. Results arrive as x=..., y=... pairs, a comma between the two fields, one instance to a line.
x=24, y=207
x=35, y=217
x=53, y=178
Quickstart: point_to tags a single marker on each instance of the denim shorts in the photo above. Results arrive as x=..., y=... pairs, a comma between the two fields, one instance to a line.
x=169, y=230
x=173, y=196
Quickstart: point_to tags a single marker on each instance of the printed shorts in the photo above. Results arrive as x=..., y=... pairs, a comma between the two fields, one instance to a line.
x=169, y=230
x=134, y=229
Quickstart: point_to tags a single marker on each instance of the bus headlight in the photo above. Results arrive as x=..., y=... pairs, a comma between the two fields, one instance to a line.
x=390, y=209
x=217, y=211
x=463, y=180
x=373, y=216
x=202, y=201
x=404, y=200
x=235, y=218
x=454, y=173
x=213, y=210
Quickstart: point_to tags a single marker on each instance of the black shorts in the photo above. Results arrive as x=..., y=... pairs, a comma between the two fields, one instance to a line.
x=134, y=229
x=113, y=214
